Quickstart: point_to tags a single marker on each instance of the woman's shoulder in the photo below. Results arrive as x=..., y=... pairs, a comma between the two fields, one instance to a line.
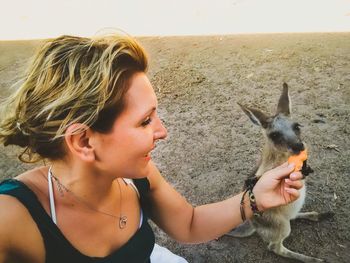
x=32, y=174
x=12, y=208
x=18, y=231
x=36, y=181
x=13, y=217
x=10, y=211
x=17, y=227
x=33, y=179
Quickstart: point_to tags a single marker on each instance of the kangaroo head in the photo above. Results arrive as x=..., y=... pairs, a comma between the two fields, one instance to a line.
x=281, y=132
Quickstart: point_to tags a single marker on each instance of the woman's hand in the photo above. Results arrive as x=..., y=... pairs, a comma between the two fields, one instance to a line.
x=279, y=186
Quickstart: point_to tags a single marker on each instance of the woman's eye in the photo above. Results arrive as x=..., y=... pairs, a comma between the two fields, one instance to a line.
x=146, y=122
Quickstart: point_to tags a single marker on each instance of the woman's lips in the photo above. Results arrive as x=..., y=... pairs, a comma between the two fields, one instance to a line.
x=148, y=157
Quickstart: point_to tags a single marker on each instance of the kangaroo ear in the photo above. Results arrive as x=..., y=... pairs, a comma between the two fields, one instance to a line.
x=284, y=104
x=256, y=116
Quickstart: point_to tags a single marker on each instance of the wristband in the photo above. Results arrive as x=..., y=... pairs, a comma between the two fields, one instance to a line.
x=253, y=204
x=242, y=206
x=249, y=185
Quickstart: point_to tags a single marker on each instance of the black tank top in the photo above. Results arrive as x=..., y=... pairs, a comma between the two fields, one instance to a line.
x=58, y=249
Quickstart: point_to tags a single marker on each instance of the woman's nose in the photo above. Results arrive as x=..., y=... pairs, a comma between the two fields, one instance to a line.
x=160, y=132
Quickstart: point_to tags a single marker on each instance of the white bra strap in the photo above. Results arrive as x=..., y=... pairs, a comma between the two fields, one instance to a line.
x=130, y=182
x=141, y=218
x=52, y=198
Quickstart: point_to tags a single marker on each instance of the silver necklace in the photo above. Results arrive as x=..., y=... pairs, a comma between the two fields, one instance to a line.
x=123, y=219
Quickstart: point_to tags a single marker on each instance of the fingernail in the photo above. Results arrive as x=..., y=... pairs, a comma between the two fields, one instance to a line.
x=291, y=165
x=288, y=190
x=293, y=176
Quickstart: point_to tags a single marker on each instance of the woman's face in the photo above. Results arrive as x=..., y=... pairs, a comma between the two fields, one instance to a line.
x=125, y=151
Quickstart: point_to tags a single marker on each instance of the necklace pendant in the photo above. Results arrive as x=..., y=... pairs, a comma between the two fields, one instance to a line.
x=122, y=221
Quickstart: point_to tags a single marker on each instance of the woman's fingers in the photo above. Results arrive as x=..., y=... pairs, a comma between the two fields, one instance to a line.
x=282, y=171
x=293, y=192
x=294, y=184
x=296, y=176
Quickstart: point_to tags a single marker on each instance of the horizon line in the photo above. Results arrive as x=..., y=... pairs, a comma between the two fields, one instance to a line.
x=188, y=35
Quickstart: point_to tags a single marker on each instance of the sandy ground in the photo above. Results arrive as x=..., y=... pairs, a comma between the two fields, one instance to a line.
x=212, y=146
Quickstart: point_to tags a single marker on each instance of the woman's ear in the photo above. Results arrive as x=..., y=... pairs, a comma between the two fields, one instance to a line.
x=78, y=141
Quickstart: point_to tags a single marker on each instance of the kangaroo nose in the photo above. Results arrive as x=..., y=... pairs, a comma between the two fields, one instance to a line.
x=298, y=147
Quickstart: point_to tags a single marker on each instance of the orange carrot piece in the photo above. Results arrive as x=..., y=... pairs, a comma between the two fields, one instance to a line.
x=298, y=160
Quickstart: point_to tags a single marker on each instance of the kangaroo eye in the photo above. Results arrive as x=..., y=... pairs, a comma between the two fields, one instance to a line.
x=296, y=127
x=274, y=135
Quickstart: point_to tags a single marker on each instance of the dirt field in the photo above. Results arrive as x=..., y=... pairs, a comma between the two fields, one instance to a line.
x=212, y=146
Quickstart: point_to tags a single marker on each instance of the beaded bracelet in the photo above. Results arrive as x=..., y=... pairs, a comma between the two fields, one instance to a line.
x=249, y=185
x=253, y=204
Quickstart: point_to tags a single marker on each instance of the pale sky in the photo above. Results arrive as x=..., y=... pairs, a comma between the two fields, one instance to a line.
x=30, y=19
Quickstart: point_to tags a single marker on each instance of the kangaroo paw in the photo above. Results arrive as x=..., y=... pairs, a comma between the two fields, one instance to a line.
x=315, y=216
x=279, y=249
x=326, y=215
x=244, y=230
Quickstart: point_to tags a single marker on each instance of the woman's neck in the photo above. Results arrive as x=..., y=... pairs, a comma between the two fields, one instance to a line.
x=85, y=183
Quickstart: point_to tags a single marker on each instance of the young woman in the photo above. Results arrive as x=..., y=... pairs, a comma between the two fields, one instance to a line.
x=88, y=109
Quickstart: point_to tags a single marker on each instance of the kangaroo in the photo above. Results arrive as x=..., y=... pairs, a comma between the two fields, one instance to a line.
x=282, y=139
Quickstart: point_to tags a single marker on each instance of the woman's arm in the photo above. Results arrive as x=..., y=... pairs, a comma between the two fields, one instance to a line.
x=187, y=224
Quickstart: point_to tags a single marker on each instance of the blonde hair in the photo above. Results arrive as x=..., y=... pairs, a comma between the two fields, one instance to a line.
x=71, y=80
